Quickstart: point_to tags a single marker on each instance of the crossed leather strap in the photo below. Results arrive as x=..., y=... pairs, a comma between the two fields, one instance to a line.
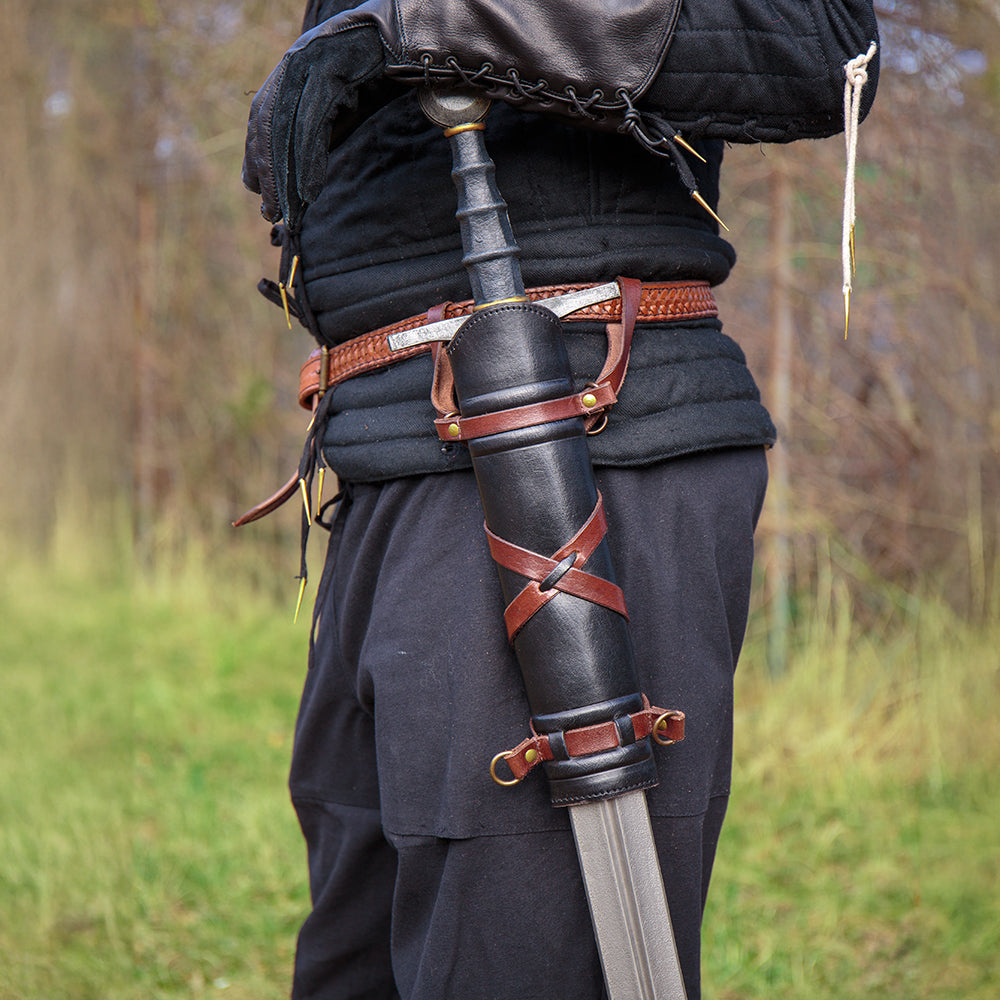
x=560, y=572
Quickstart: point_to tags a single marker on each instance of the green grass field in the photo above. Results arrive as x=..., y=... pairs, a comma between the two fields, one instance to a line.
x=148, y=850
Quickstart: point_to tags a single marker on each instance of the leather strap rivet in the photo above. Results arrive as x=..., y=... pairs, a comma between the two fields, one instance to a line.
x=530, y=756
x=454, y=430
x=589, y=400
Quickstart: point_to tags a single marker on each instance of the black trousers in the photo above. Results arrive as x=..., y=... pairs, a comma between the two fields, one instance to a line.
x=430, y=882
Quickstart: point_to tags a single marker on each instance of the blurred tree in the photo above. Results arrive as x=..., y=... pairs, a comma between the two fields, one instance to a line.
x=137, y=347
x=890, y=442
x=143, y=373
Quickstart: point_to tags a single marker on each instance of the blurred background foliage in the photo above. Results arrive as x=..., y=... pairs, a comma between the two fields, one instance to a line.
x=147, y=393
x=147, y=396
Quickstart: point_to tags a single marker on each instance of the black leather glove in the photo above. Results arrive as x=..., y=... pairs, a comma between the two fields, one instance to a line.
x=318, y=84
x=589, y=59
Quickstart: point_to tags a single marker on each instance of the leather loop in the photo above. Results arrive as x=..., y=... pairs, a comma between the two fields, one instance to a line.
x=590, y=403
x=453, y=428
x=620, y=334
x=538, y=569
x=443, y=390
x=666, y=725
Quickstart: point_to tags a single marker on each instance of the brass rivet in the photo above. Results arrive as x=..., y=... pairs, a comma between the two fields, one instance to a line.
x=589, y=400
x=454, y=430
x=530, y=756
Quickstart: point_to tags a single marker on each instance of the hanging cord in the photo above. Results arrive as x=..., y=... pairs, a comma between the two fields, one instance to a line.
x=312, y=462
x=856, y=72
x=289, y=293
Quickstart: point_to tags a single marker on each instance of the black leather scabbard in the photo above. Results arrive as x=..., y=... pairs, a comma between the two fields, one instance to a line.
x=538, y=488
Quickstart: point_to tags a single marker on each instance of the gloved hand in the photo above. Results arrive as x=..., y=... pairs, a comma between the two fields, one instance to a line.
x=585, y=59
x=317, y=85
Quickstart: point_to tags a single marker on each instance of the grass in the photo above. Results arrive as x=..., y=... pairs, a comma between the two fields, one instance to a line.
x=147, y=847
x=860, y=857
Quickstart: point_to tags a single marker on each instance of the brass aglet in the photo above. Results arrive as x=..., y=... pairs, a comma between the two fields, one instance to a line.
x=284, y=303
x=305, y=500
x=681, y=141
x=291, y=273
x=851, y=241
x=696, y=194
x=319, y=489
x=298, y=603
x=847, y=309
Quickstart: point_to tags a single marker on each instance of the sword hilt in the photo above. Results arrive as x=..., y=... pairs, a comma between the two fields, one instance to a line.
x=490, y=253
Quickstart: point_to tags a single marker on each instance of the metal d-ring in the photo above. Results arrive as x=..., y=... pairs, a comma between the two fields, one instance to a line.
x=597, y=428
x=508, y=782
x=656, y=726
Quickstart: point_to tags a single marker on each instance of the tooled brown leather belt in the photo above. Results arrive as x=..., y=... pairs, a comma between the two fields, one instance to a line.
x=661, y=301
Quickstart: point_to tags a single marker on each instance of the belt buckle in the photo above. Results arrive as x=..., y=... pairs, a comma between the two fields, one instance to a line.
x=561, y=305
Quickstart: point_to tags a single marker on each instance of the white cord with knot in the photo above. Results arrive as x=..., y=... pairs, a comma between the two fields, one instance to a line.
x=856, y=72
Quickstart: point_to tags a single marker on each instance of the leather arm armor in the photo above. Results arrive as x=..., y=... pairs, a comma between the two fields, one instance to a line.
x=731, y=69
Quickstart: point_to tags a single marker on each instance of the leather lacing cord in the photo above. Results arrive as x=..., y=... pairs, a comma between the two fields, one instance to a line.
x=510, y=86
x=289, y=293
x=658, y=136
x=651, y=131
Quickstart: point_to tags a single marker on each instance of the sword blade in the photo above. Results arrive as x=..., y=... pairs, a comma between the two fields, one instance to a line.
x=628, y=904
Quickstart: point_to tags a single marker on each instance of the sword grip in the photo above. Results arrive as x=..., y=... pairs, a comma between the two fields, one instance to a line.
x=491, y=255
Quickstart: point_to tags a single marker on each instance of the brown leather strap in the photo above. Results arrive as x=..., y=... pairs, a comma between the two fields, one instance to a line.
x=660, y=302
x=666, y=726
x=589, y=403
x=271, y=504
x=557, y=573
x=620, y=333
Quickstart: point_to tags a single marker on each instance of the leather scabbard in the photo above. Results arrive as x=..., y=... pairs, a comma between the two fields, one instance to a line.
x=539, y=495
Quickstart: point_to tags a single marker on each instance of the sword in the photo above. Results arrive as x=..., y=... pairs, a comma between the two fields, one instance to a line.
x=614, y=839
